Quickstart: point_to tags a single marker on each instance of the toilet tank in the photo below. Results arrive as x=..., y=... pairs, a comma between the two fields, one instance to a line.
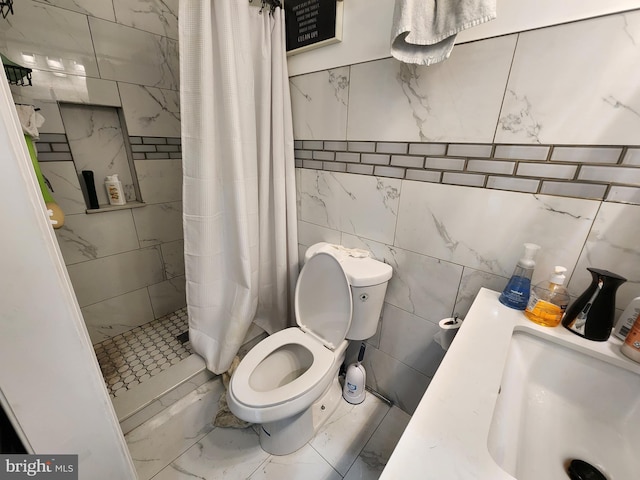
x=368, y=279
x=367, y=306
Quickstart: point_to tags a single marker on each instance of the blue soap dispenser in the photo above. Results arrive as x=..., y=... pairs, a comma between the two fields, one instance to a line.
x=516, y=293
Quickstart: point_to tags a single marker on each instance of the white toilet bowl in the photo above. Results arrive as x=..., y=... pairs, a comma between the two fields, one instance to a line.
x=286, y=373
x=288, y=383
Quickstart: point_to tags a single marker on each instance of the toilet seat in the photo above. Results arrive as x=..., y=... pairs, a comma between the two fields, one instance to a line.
x=322, y=363
x=323, y=309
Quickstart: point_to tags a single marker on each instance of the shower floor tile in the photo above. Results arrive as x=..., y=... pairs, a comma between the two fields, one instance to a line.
x=130, y=358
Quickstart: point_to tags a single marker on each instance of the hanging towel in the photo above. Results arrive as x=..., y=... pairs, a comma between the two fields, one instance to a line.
x=424, y=31
x=30, y=120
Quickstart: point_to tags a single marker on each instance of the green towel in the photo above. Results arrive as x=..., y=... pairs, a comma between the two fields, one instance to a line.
x=34, y=159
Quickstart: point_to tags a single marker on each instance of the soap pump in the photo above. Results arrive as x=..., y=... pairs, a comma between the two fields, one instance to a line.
x=353, y=390
x=549, y=300
x=516, y=294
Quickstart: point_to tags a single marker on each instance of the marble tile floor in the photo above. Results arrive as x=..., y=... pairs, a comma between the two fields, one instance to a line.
x=181, y=443
x=132, y=357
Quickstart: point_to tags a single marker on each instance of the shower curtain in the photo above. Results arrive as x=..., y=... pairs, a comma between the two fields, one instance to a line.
x=239, y=196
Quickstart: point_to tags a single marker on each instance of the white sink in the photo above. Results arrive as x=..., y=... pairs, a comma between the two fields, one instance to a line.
x=514, y=400
x=557, y=404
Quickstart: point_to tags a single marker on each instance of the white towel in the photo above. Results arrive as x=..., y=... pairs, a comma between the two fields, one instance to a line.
x=424, y=31
x=30, y=120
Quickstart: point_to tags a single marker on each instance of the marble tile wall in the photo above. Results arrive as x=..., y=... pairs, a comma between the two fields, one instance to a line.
x=126, y=266
x=444, y=171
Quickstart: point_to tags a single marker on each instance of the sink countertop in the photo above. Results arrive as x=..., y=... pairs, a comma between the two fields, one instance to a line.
x=447, y=436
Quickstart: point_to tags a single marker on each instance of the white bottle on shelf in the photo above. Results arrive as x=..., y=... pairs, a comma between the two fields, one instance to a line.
x=115, y=192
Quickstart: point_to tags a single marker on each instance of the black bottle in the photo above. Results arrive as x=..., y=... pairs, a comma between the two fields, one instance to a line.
x=91, y=188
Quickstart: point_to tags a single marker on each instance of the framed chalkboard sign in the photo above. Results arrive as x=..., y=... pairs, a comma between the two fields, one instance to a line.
x=312, y=23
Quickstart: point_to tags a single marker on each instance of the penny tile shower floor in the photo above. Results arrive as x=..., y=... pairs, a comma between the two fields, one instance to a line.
x=130, y=358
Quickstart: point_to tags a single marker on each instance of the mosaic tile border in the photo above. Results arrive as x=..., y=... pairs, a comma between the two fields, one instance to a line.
x=610, y=173
x=156, y=148
x=53, y=147
x=128, y=359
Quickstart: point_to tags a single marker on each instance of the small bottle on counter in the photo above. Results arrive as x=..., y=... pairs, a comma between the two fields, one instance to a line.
x=549, y=300
x=516, y=294
x=631, y=345
x=115, y=191
x=627, y=319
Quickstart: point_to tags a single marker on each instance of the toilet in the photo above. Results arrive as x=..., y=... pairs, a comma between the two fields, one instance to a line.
x=288, y=383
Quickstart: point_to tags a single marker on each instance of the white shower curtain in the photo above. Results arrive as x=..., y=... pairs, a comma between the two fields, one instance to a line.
x=240, y=232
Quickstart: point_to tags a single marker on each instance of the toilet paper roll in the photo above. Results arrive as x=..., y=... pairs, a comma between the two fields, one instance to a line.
x=448, y=329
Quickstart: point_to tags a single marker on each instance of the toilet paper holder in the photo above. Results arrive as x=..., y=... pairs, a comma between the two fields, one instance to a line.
x=448, y=330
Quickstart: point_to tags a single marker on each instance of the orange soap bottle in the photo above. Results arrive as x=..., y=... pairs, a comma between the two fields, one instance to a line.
x=548, y=300
x=631, y=345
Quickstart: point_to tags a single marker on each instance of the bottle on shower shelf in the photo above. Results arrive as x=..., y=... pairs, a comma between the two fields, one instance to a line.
x=115, y=192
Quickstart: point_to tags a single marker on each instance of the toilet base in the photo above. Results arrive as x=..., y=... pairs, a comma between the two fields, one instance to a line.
x=290, y=434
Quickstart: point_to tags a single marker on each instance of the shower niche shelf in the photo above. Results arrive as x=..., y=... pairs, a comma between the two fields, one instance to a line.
x=111, y=208
x=99, y=142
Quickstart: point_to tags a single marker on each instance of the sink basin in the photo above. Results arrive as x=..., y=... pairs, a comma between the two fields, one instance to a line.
x=515, y=400
x=557, y=404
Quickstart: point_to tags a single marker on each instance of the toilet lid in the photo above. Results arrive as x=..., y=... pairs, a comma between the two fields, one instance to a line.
x=323, y=303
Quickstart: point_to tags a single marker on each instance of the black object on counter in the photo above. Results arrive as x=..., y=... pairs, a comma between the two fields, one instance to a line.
x=592, y=315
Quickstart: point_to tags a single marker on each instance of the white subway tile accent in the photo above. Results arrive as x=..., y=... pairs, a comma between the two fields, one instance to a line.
x=444, y=163
x=312, y=144
x=60, y=147
x=359, y=168
x=521, y=152
x=491, y=166
x=328, y=145
x=43, y=147
x=632, y=157
x=322, y=155
x=298, y=163
x=467, y=179
x=586, y=154
x=389, y=172
x=334, y=166
x=376, y=159
x=315, y=164
x=515, y=184
x=391, y=147
x=624, y=194
x=296, y=144
x=361, y=146
x=547, y=170
x=580, y=190
x=407, y=161
x=423, y=175
x=427, y=148
x=303, y=154
x=624, y=175
x=469, y=150
x=347, y=157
